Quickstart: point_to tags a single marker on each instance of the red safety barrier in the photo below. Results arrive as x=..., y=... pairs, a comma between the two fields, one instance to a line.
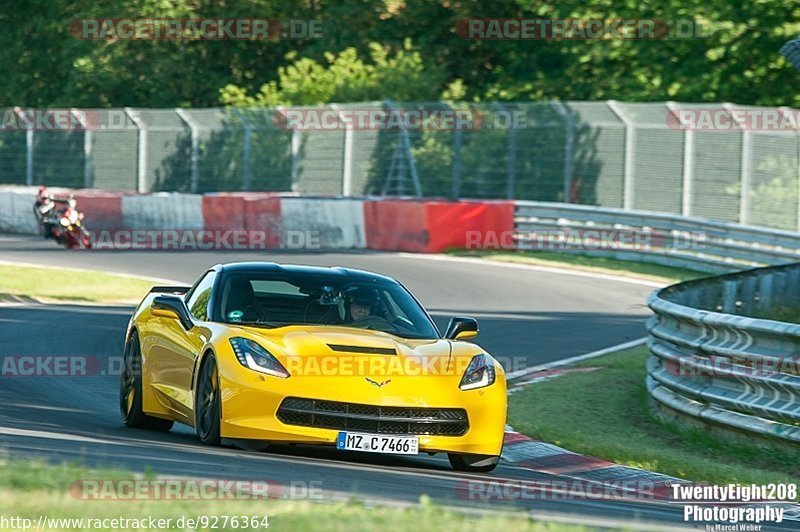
x=223, y=212
x=468, y=225
x=435, y=226
x=102, y=210
x=263, y=214
x=395, y=225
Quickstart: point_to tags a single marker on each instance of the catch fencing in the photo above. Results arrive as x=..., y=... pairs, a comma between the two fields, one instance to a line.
x=632, y=156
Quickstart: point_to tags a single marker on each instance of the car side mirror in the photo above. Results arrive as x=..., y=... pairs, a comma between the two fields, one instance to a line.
x=166, y=306
x=461, y=328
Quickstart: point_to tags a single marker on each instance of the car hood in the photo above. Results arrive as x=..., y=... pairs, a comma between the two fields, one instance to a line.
x=313, y=348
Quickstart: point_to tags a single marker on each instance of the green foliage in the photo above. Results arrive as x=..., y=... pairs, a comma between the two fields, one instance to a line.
x=345, y=77
x=365, y=54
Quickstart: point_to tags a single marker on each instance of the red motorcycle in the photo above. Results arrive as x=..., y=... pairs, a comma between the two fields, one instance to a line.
x=60, y=220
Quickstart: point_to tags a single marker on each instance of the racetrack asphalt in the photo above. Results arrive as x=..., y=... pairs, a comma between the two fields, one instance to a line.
x=528, y=315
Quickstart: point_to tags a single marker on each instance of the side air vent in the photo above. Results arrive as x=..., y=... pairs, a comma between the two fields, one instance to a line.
x=362, y=349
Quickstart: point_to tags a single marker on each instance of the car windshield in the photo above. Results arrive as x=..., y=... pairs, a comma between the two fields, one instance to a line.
x=280, y=299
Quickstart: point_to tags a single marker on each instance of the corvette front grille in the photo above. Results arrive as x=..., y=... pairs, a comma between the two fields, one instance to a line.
x=374, y=419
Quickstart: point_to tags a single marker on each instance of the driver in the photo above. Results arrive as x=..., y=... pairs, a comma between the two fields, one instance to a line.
x=360, y=310
x=361, y=304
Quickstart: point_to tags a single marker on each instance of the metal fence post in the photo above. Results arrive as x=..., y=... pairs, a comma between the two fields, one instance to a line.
x=28, y=146
x=195, y=157
x=569, y=148
x=511, y=161
x=87, y=148
x=797, y=153
x=688, y=163
x=630, y=150
x=458, y=141
x=248, y=133
x=141, y=163
x=347, y=163
x=296, y=141
x=745, y=171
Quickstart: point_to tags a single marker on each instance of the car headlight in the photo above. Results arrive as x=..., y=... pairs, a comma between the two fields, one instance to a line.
x=253, y=356
x=479, y=373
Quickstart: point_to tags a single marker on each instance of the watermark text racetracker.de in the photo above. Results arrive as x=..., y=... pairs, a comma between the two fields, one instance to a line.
x=558, y=490
x=310, y=365
x=202, y=239
x=733, y=367
x=585, y=239
x=209, y=29
x=59, y=366
x=728, y=119
x=179, y=489
x=579, y=29
x=149, y=522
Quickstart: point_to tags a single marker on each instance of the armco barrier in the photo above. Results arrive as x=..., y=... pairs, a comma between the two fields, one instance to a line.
x=714, y=363
x=667, y=239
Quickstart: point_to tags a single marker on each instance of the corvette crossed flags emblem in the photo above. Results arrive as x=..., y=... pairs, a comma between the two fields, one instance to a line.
x=378, y=384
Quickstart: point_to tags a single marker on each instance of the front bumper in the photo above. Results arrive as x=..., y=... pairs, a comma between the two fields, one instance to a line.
x=250, y=404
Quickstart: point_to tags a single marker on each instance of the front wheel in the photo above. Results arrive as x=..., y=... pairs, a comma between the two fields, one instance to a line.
x=130, y=391
x=207, y=411
x=476, y=463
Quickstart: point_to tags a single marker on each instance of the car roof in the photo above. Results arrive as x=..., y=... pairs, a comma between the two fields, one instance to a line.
x=266, y=267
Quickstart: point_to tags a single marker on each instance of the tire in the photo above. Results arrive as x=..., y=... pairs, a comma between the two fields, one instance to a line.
x=207, y=409
x=130, y=391
x=465, y=462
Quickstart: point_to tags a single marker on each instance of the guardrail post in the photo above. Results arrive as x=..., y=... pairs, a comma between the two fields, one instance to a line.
x=195, y=157
x=141, y=161
x=747, y=296
x=630, y=151
x=779, y=290
x=729, y=297
x=764, y=293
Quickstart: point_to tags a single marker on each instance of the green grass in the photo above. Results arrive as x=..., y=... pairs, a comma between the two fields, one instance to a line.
x=604, y=414
x=29, y=490
x=625, y=268
x=64, y=284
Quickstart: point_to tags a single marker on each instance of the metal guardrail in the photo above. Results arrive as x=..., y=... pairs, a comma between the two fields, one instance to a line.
x=713, y=362
x=645, y=236
x=714, y=357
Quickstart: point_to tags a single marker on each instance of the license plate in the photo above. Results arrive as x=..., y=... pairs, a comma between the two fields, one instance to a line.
x=377, y=443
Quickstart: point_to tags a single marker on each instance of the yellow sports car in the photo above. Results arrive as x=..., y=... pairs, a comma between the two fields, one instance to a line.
x=260, y=352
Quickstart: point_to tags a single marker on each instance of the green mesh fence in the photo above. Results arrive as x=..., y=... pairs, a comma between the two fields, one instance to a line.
x=612, y=154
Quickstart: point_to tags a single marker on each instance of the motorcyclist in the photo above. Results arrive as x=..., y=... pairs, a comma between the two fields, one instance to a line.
x=45, y=210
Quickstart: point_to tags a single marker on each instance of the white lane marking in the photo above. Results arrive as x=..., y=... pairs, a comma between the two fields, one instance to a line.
x=579, y=358
x=9, y=431
x=533, y=267
x=87, y=270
